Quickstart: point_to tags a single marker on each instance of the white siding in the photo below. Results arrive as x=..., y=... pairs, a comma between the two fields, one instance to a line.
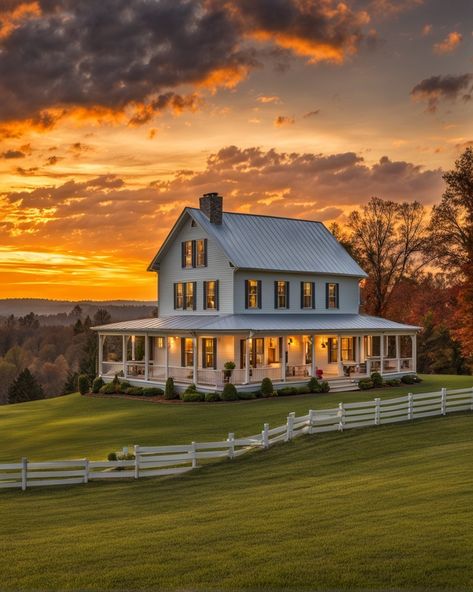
x=171, y=271
x=348, y=292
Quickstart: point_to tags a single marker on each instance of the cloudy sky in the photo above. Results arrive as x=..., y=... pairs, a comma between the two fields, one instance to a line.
x=114, y=115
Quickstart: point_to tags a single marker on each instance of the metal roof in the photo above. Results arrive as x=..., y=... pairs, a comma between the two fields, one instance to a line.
x=297, y=323
x=275, y=244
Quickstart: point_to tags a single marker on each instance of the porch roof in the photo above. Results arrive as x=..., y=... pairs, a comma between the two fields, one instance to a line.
x=258, y=323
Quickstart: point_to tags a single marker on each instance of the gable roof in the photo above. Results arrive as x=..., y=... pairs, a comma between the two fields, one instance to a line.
x=271, y=243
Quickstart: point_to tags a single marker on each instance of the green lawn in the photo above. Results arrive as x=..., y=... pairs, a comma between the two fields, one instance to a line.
x=77, y=427
x=387, y=508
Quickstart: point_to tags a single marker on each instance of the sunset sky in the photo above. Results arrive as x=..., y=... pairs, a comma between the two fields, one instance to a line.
x=116, y=114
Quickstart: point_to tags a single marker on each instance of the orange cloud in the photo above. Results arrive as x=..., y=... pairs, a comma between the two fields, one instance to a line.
x=282, y=120
x=11, y=19
x=268, y=99
x=449, y=44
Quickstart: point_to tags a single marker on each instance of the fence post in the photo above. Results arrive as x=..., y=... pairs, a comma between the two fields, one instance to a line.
x=136, y=449
x=231, y=445
x=377, y=411
x=311, y=419
x=86, y=470
x=290, y=425
x=443, y=401
x=410, y=406
x=193, y=453
x=341, y=414
x=24, y=473
x=265, y=435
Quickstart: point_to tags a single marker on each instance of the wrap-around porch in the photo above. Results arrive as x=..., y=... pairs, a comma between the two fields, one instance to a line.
x=207, y=360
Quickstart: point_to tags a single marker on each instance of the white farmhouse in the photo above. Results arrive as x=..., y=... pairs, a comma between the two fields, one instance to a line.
x=276, y=297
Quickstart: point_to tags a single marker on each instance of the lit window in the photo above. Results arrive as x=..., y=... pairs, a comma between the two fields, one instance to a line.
x=179, y=295
x=211, y=295
x=209, y=353
x=187, y=254
x=253, y=294
x=189, y=296
x=159, y=342
x=307, y=295
x=188, y=352
x=281, y=294
x=332, y=295
x=201, y=255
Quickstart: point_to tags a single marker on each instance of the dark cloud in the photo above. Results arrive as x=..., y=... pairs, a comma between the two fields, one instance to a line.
x=437, y=88
x=13, y=154
x=311, y=113
x=282, y=120
x=52, y=160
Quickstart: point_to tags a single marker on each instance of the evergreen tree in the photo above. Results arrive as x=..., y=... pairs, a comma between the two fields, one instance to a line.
x=78, y=327
x=88, y=362
x=25, y=388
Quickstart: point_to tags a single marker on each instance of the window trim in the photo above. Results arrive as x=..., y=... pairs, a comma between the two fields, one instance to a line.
x=258, y=294
x=278, y=295
x=312, y=296
x=184, y=296
x=193, y=253
x=204, y=352
x=205, y=287
x=336, y=304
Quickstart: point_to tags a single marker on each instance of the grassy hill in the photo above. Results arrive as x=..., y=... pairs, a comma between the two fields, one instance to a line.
x=380, y=508
x=77, y=427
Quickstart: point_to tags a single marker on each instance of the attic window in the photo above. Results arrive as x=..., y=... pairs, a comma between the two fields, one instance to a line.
x=193, y=223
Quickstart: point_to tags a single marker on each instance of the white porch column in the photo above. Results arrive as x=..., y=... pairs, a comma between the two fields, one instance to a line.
x=358, y=349
x=100, y=368
x=124, y=338
x=195, y=359
x=133, y=354
x=283, y=358
x=313, y=366
x=146, y=357
x=398, y=353
x=166, y=357
x=248, y=343
x=381, y=353
x=339, y=355
x=414, y=352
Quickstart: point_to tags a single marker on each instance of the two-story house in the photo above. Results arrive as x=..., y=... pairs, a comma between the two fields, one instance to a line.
x=276, y=297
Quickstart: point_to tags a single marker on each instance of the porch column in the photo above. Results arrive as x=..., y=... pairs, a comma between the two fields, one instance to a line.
x=133, y=353
x=166, y=357
x=247, y=359
x=414, y=352
x=398, y=353
x=124, y=338
x=146, y=357
x=100, y=369
x=381, y=353
x=313, y=366
x=358, y=349
x=195, y=358
x=283, y=358
x=339, y=355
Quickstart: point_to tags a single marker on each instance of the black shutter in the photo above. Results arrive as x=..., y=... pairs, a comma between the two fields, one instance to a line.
x=204, y=365
x=280, y=349
x=337, y=304
x=215, y=352
x=204, y=304
x=246, y=293
x=259, y=293
x=183, y=254
x=326, y=295
x=193, y=253
x=302, y=294
x=313, y=294
x=175, y=296
x=275, y=294
x=194, y=296
x=183, y=352
x=329, y=348
x=205, y=252
x=217, y=296
x=287, y=295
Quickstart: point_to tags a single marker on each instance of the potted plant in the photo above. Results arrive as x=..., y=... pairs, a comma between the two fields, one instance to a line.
x=227, y=372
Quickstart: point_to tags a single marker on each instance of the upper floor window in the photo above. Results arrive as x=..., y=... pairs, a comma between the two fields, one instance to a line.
x=201, y=252
x=185, y=295
x=331, y=295
x=189, y=296
x=179, y=296
x=281, y=294
x=187, y=254
x=307, y=295
x=194, y=253
x=211, y=295
x=252, y=293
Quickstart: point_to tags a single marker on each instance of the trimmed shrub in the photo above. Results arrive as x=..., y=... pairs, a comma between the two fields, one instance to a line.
x=97, y=384
x=246, y=396
x=83, y=384
x=393, y=382
x=365, y=383
x=267, y=388
x=123, y=386
x=134, y=390
x=108, y=389
x=314, y=385
x=288, y=391
x=229, y=392
x=407, y=379
x=324, y=387
x=303, y=390
x=112, y=456
x=212, y=397
x=169, y=389
x=152, y=391
x=191, y=388
x=376, y=379
x=193, y=397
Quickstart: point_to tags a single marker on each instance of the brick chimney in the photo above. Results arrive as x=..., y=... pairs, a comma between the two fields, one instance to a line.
x=211, y=204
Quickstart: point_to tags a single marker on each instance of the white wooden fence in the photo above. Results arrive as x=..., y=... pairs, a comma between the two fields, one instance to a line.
x=154, y=461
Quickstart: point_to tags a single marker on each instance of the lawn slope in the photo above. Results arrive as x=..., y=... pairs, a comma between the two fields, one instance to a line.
x=380, y=508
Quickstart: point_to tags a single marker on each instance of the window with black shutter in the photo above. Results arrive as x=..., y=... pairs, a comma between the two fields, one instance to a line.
x=331, y=295
x=253, y=294
x=281, y=294
x=209, y=352
x=211, y=295
x=179, y=296
x=307, y=295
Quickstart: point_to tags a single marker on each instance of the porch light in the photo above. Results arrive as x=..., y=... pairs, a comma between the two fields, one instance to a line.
x=324, y=344
x=289, y=341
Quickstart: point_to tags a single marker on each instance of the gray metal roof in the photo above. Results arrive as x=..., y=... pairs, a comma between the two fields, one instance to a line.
x=297, y=323
x=275, y=244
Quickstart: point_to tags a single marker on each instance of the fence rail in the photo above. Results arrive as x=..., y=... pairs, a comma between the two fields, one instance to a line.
x=153, y=461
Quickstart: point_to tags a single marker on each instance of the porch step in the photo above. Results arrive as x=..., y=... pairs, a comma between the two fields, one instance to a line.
x=338, y=385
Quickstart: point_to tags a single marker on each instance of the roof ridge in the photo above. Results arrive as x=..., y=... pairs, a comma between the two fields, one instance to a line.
x=266, y=216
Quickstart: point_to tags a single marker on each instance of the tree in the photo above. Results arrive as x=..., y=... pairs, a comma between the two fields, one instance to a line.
x=19, y=357
x=76, y=312
x=102, y=317
x=30, y=321
x=78, y=327
x=438, y=352
x=390, y=241
x=25, y=388
x=7, y=376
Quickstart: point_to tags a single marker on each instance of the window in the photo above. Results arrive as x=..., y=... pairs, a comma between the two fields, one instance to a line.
x=256, y=352
x=253, y=293
x=347, y=347
x=331, y=295
x=372, y=346
x=281, y=294
x=188, y=254
x=185, y=296
x=179, y=296
x=308, y=350
x=201, y=252
x=307, y=295
x=209, y=352
x=332, y=350
x=187, y=352
x=273, y=350
x=211, y=295
x=160, y=342
x=189, y=296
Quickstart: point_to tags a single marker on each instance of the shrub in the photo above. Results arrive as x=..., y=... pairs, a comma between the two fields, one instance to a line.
x=212, y=397
x=169, y=389
x=116, y=381
x=152, y=391
x=408, y=379
x=134, y=390
x=193, y=397
x=246, y=396
x=417, y=378
x=267, y=388
x=83, y=384
x=229, y=365
x=365, y=383
x=324, y=387
x=123, y=386
x=393, y=382
x=97, y=384
x=191, y=388
x=112, y=456
x=108, y=389
x=314, y=385
x=288, y=391
x=376, y=379
x=229, y=392
x=303, y=390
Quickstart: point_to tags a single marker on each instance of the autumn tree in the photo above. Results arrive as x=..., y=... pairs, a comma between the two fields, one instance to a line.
x=390, y=241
